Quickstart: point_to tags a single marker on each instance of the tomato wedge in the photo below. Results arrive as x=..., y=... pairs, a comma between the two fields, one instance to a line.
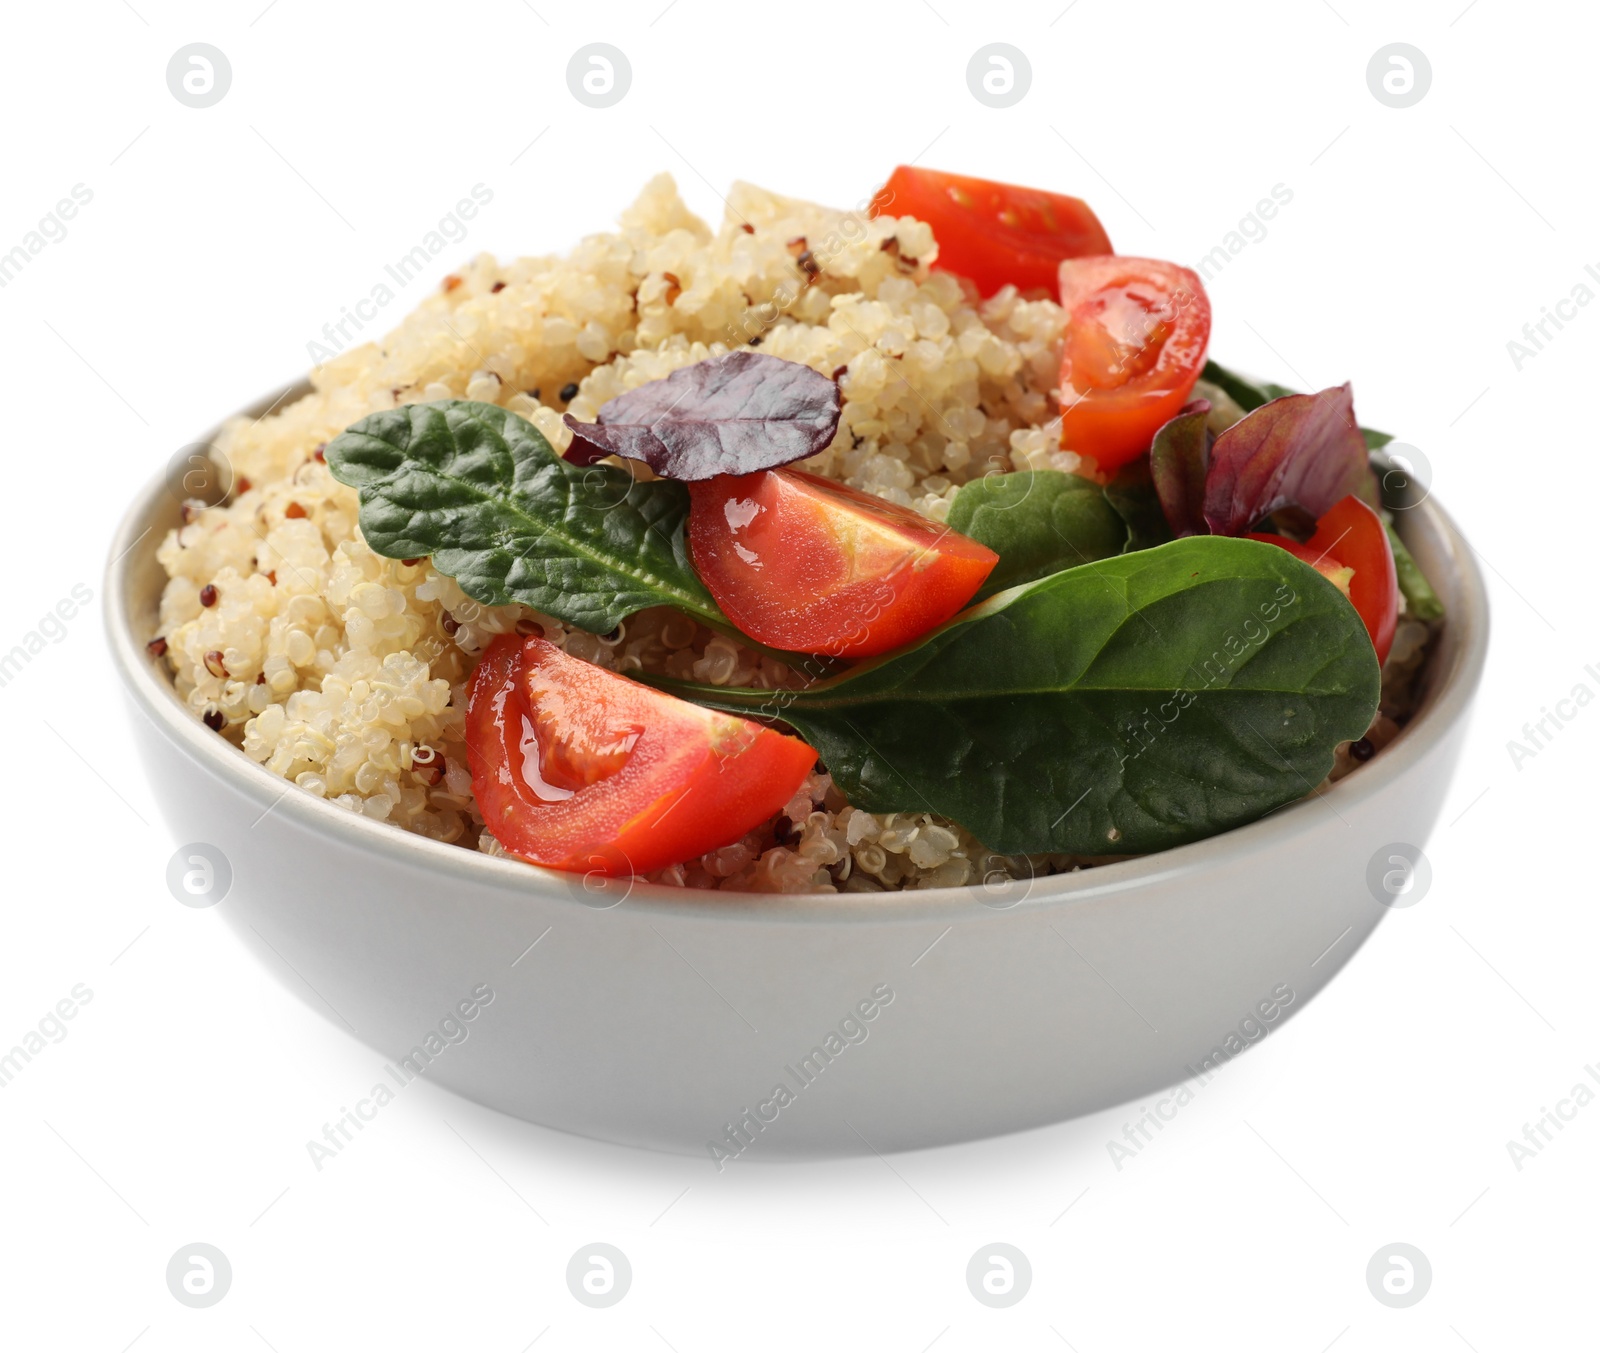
x=1324, y=563
x=577, y=768
x=1350, y=537
x=994, y=233
x=1135, y=342
x=809, y=564
x=1354, y=532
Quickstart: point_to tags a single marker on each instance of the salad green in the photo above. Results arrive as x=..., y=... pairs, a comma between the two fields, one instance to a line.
x=1119, y=707
x=480, y=489
x=1038, y=522
x=1132, y=676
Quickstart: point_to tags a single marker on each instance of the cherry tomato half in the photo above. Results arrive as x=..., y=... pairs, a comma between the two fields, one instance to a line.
x=1350, y=537
x=580, y=769
x=994, y=233
x=811, y=565
x=1135, y=341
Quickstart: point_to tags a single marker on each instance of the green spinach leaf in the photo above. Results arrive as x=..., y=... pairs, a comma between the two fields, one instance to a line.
x=1132, y=493
x=1397, y=490
x=1376, y=440
x=480, y=490
x=1244, y=392
x=1124, y=706
x=1038, y=522
x=1422, y=602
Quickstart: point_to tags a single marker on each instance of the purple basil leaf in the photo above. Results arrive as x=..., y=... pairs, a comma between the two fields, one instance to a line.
x=734, y=414
x=1179, y=456
x=1300, y=450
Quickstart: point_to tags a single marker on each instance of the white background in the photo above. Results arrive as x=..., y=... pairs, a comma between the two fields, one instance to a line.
x=219, y=241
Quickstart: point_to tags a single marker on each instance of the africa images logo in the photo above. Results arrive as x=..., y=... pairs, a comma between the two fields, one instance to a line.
x=741, y=1133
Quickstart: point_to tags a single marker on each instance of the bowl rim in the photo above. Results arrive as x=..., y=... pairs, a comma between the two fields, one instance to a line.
x=152, y=692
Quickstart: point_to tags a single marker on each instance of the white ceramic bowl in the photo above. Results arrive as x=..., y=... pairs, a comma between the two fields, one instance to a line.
x=660, y=1017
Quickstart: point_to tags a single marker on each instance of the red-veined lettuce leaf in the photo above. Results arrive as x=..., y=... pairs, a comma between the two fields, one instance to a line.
x=1180, y=455
x=1300, y=450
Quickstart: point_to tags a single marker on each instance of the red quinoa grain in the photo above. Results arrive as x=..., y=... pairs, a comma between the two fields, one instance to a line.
x=426, y=764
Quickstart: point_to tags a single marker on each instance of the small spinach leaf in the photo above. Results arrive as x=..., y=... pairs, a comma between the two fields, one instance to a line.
x=1422, y=602
x=480, y=490
x=1397, y=489
x=1121, y=707
x=1132, y=493
x=1244, y=392
x=1038, y=522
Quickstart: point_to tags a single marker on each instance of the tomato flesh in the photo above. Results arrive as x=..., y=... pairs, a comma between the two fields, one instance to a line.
x=579, y=769
x=1350, y=540
x=1134, y=345
x=994, y=233
x=809, y=564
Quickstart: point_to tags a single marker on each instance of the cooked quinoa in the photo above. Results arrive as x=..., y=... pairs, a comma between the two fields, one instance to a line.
x=346, y=672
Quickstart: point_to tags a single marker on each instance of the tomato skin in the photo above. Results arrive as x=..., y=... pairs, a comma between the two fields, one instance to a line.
x=579, y=769
x=1350, y=535
x=1135, y=343
x=1355, y=533
x=994, y=233
x=808, y=564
